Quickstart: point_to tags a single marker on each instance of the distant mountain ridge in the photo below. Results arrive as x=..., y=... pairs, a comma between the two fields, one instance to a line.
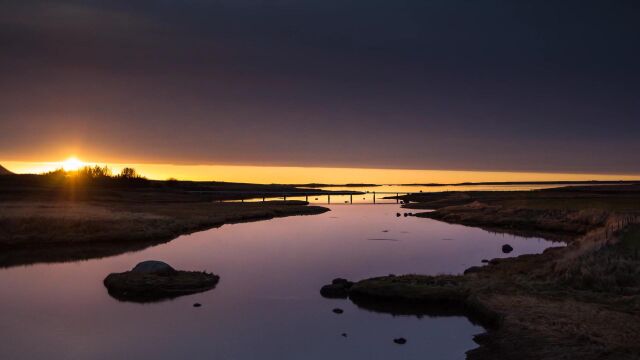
x=4, y=171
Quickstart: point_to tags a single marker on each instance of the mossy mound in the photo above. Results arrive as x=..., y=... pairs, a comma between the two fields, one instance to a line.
x=150, y=286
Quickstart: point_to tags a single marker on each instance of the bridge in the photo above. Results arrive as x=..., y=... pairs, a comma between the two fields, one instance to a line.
x=369, y=197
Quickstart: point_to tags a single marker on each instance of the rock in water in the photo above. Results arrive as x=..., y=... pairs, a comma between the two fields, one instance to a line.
x=341, y=281
x=338, y=311
x=339, y=288
x=473, y=269
x=506, y=248
x=155, y=280
x=400, y=341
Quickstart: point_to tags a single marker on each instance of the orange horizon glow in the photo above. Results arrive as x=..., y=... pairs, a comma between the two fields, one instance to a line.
x=301, y=175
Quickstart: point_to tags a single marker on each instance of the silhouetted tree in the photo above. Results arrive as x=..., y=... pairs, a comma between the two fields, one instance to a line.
x=95, y=172
x=55, y=173
x=129, y=173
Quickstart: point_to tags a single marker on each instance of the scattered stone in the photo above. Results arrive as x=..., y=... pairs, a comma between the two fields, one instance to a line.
x=405, y=214
x=337, y=311
x=344, y=334
x=485, y=261
x=398, y=214
x=400, y=341
x=506, y=248
x=155, y=280
x=197, y=305
x=385, y=230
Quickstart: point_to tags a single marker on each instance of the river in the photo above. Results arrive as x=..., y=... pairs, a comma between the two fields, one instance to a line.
x=267, y=304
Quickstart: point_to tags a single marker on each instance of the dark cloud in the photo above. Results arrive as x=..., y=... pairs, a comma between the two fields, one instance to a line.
x=526, y=85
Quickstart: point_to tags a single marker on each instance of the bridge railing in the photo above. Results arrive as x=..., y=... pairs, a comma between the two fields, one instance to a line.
x=375, y=196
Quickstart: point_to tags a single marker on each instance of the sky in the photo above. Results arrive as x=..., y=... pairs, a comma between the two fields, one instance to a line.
x=513, y=86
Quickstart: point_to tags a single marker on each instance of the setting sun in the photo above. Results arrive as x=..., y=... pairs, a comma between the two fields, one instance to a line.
x=72, y=164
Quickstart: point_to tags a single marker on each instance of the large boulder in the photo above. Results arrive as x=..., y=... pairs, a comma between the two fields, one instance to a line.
x=155, y=280
x=154, y=267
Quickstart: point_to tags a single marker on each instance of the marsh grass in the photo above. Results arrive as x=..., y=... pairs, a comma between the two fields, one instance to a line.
x=612, y=269
x=65, y=230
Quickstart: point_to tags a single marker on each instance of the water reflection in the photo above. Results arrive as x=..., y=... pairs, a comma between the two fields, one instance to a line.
x=384, y=194
x=267, y=303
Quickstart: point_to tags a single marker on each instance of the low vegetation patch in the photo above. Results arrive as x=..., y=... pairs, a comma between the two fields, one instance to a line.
x=612, y=269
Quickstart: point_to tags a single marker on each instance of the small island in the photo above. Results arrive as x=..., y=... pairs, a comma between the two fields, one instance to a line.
x=154, y=280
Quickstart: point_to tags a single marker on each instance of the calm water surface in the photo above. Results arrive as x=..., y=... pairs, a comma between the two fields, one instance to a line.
x=267, y=304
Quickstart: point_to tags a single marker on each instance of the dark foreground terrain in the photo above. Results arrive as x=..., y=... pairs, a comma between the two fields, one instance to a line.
x=581, y=301
x=47, y=218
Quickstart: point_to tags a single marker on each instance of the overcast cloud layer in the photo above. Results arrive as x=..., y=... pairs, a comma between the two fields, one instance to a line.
x=493, y=85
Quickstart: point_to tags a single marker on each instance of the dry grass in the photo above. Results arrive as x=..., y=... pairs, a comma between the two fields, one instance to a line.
x=71, y=230
x=612, y=269
x=552, y=223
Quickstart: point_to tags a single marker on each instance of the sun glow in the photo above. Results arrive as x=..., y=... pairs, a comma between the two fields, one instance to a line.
x=302, y=175
x=72, y=164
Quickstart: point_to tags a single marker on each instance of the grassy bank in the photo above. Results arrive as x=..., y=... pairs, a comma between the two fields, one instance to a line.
x=579, y=301
x=49, y=218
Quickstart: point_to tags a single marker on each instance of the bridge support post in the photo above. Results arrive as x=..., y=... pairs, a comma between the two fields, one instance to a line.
x=351, y=198
x=374, y=197
x=397, y=198
x=328, y=199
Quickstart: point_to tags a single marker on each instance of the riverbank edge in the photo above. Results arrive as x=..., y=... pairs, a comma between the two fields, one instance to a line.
x=498, y=296
x=35, y=251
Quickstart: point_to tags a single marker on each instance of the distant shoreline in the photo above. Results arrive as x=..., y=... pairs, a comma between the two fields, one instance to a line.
x=572, y=182
x=483, y=183
x=317, y=185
